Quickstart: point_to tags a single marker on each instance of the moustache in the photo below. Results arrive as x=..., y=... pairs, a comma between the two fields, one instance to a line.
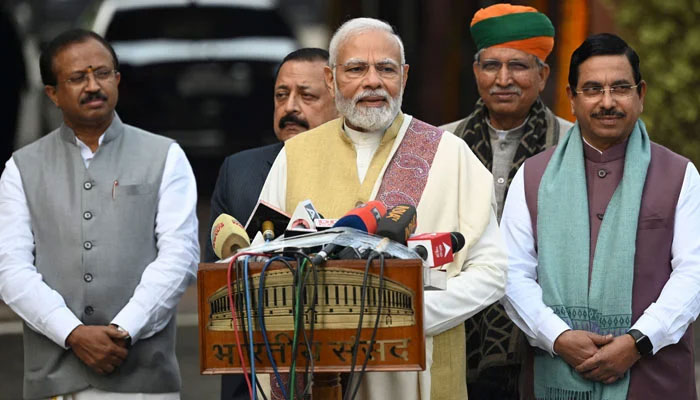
x=509, y=88
x=611, y=112
x=370, y=93
x=291, y=118
x=93, y=96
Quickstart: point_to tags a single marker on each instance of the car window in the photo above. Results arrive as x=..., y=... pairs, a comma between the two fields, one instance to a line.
x=194, y=23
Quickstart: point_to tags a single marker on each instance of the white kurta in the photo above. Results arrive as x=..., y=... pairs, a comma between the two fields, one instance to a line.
x=479, y=279
x=664, y=321
x=163, y=281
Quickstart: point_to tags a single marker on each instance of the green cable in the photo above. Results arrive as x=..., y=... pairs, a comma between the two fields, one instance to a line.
x=292, y=372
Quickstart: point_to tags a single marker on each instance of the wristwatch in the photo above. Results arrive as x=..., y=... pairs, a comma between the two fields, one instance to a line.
x=127, y=339
x=644, y=346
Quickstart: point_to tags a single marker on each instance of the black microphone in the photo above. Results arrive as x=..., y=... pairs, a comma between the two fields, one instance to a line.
x=399, y=223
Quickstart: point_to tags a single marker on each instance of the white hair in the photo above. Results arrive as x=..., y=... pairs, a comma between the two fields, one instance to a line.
x=355, y=26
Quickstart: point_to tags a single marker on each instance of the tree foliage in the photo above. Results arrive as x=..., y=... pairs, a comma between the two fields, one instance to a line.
x=666, y=35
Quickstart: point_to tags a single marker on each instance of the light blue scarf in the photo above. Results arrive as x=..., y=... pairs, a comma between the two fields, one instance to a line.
x=563, y=232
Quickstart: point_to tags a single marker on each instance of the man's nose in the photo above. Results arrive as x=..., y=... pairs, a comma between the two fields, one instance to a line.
x=292, y=104
x=372, y=79
x=607, y=101
x=92, y=85
x=503, y=76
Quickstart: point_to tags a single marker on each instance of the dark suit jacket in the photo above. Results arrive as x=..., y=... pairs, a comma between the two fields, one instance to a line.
x=241, y=178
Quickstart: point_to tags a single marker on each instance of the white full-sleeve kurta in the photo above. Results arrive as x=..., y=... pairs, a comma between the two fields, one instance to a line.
x=162, y=283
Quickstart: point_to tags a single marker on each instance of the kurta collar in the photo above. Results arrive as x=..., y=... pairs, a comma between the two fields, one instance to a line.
x=508, y=134
x=363, y=138
x=113, y=131
x=615, y=152
x=389, y=134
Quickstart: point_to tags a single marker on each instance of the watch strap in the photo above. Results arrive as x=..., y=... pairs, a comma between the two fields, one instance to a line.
x=641, y=341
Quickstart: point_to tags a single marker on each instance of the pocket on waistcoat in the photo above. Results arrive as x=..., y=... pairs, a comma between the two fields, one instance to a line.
x=135, y=190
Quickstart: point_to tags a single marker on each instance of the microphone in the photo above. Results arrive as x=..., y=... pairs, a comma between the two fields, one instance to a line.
x=302, y=220
x=228, y=236
x=363, y=218
x=436, y=249
x=398, y=224
x=268, y=230
x=265, y=212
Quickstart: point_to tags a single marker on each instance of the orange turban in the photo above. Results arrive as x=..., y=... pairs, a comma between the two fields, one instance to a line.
x=516, y=27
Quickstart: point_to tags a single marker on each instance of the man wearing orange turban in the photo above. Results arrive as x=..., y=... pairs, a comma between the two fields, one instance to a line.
x=509, y=124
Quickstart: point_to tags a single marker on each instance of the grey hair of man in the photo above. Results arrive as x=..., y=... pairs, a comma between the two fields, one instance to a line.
x=355, y=26
x=540, y=63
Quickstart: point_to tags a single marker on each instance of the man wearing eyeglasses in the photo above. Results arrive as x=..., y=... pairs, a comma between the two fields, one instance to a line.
x=376, y=152
x=602, y=233
x=509, y=124
x=98, y=239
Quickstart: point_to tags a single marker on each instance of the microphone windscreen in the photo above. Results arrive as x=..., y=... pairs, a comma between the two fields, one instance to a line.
x=227, y=236
x=363, y=218
x=399, y=223
x=457, y=241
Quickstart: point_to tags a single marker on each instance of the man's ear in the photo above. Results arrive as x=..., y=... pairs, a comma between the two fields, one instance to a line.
x=570, y=94
x=330, y=82
x=51, y=94
x=405, y=75
x=642, y=93
x=544, y=74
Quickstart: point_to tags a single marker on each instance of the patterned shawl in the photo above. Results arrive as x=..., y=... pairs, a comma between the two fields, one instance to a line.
x=492, y=338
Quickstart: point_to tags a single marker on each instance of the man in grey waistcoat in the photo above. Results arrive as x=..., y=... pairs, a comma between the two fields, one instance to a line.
x=602, y=233
x=98, y=239
x=509, y=124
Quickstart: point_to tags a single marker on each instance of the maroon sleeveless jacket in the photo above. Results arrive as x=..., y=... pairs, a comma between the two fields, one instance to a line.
x=670, y=373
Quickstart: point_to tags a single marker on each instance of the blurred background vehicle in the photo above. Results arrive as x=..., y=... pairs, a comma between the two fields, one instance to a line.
x=200, y=72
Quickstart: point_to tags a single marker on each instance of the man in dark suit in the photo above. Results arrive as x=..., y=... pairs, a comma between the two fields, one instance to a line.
x=302, y=101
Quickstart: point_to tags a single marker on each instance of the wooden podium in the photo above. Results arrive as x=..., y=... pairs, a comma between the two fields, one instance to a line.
x=399, y=343
x=400, y=339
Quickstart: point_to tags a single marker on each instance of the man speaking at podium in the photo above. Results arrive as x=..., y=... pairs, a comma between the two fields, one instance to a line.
x=376, y=152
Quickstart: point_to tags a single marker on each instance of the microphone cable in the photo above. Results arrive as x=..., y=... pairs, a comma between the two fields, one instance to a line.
x=358, y=332
x=376, y=326
x=308, y=339
x=251, y=344
x=312, y=320
x=245, y=326
x=261, y=312
x=234, y=320
x=298, y=315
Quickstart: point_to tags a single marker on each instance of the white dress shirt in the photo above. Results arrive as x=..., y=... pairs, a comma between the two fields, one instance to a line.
x=664, y=321
x=162, y=283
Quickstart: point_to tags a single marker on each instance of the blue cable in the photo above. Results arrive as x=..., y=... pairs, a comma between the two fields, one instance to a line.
x=250, y=327
x=261, y=315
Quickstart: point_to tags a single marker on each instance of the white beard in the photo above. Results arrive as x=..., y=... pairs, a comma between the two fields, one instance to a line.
x=368, y=118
